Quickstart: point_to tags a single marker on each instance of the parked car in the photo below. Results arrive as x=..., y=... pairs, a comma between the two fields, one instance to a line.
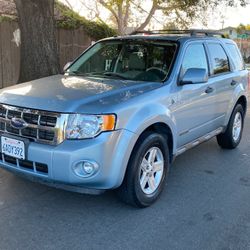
x=123, y=111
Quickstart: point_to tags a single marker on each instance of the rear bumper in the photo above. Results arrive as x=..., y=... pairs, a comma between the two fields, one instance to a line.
x=111, y=151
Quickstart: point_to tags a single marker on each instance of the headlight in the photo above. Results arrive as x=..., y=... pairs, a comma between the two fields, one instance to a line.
x=88, y=126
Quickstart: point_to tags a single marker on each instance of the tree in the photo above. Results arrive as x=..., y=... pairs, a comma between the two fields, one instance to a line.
x=134, y=13
x=243, y=28
x=39, y=55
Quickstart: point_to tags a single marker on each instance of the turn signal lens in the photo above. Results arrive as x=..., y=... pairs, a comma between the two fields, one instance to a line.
x=108, y=122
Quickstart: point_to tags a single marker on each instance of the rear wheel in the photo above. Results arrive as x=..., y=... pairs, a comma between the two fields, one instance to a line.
x=146, y=171
x=231, y=138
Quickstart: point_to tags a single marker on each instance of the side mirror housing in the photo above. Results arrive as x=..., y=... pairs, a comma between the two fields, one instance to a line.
x=194, y=76
x=66, y=66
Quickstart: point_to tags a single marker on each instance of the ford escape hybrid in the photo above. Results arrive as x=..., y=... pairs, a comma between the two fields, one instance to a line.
x=123, y=111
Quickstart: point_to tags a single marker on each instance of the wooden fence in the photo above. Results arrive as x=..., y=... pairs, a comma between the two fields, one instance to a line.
x=71, y=43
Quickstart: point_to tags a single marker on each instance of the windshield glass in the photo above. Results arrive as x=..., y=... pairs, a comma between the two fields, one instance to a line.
x=131, y=60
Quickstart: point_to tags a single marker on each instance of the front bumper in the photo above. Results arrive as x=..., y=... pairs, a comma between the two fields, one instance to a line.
x=110, y=150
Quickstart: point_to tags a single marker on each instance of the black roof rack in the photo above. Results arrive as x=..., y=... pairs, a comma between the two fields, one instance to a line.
x=191, y=32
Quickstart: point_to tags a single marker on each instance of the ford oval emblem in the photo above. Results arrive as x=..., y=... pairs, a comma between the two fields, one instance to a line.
x=18, y=123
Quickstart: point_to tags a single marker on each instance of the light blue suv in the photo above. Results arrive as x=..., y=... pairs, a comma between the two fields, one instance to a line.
x=123, y=111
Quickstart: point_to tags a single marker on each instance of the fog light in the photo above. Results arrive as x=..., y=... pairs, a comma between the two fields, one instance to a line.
x=88, y=167
x=85, y=168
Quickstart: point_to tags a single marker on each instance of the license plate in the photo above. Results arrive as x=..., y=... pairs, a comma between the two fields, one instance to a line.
x=13, y=147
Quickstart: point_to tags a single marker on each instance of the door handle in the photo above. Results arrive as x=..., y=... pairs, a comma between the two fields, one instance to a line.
x=209, y=90
x=233, y=83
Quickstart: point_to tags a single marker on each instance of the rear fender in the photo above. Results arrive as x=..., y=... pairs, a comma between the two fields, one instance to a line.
x=238, y=93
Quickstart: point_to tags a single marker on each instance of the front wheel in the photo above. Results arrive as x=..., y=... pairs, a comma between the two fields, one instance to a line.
x=146, y=171
x=231, y=138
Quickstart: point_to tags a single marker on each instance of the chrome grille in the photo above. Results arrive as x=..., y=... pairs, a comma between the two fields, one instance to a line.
x=44, y=127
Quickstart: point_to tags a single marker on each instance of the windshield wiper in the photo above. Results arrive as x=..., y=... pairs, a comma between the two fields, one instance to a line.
x=115, y=75
x=77, y=73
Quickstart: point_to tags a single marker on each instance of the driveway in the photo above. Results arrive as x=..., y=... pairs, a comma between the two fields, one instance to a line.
x=206, y=205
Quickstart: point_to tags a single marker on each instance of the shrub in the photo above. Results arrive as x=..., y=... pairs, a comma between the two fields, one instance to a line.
x=72, y=20
x=7, y=18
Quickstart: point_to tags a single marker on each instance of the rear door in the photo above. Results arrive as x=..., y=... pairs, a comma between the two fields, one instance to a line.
x=222, y=79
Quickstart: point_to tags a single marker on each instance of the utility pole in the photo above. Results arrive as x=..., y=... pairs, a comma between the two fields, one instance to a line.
x=222, y=23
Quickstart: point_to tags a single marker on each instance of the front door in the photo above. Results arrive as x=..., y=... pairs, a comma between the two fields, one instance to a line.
x=194, y=110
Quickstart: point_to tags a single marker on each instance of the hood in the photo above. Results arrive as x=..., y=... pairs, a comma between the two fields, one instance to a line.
x=68, y=94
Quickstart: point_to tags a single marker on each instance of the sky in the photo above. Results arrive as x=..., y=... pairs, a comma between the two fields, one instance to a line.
x=232, y=17
x=220, y=18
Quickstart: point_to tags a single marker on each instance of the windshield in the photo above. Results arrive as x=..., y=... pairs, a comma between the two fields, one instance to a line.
x=130, y=60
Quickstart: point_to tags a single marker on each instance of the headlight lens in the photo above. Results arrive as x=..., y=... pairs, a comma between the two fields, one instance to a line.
x=88, y=126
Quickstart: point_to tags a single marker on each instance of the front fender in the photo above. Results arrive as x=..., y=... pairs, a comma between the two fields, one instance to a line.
x=148, y=115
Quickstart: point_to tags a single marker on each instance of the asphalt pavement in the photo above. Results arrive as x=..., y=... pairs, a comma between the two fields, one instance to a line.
x=205, y=205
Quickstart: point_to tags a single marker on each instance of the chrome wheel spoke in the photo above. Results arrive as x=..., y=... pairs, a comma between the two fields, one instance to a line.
x=144, y=164
x=157, y=166
x=151, y=183
x=144, y=180
x=152, y=155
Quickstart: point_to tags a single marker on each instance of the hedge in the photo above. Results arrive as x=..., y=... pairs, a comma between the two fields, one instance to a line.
x=72, y=20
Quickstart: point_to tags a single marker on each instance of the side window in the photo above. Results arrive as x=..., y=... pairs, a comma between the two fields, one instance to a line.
x=219, y=59
x=236, y=56
x=195, y=57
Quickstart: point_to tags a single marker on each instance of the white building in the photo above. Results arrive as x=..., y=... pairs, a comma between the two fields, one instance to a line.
x=231, y=32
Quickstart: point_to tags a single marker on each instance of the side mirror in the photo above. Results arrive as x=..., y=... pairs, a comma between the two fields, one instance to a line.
x=194, y=76
x=66, y=66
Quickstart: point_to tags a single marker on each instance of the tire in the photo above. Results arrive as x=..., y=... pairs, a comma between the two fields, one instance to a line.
x=137, y=188
x=231, y=138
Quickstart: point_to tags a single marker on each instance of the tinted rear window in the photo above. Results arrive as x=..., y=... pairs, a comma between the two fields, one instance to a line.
x=220, y=63
x=236, y=56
